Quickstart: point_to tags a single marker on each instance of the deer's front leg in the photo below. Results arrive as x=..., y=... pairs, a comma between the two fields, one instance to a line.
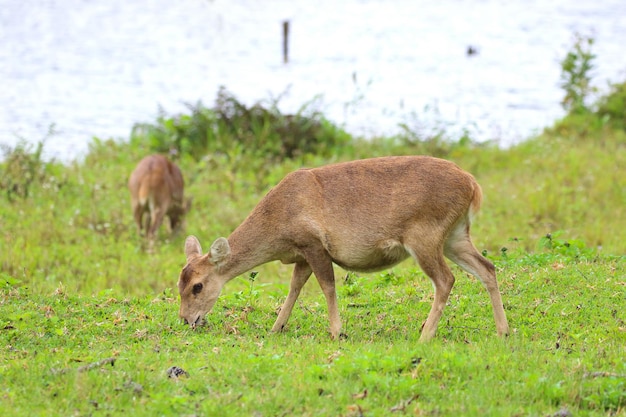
x=300, y=276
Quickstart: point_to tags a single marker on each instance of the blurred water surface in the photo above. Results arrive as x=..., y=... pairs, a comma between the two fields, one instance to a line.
x=95, y=67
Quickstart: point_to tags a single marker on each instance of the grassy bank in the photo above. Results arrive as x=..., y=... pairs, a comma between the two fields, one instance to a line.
x=76, y=354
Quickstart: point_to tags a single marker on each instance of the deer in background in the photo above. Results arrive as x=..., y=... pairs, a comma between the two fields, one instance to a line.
x=156, y=189
x=365, y=216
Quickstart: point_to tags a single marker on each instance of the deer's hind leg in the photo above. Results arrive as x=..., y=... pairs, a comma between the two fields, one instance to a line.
x=157, y=213
x=138, y=215
x=428, y=252
x=460, y=250
x=434, y=265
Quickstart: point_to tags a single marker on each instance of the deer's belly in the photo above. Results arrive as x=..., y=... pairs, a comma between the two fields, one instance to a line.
x=369, y=258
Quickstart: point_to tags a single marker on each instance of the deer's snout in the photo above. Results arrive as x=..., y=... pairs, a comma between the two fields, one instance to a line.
x=193, y=323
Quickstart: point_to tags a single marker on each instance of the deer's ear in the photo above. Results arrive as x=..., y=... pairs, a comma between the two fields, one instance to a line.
x=220, y=249
x=192, y=247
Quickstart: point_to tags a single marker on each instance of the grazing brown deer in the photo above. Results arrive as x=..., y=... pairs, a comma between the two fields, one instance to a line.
x=362, y=215
x=156, y=189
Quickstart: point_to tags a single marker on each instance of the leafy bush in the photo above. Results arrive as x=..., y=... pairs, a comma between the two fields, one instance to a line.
x=611, y=109
x=23, y=167
x=232, y=128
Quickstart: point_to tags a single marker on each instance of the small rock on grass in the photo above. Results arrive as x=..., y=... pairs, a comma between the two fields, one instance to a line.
x=176, y=372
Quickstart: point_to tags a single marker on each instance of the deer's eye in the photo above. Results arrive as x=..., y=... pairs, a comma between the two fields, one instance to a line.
x=197, y=288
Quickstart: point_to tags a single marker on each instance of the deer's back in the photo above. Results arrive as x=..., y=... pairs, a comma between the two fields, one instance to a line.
x=384, y=190
x=156, y=178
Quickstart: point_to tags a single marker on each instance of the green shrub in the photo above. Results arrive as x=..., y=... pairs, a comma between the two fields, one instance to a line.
x=23, y=167
x=611, y=108
x=231, y=128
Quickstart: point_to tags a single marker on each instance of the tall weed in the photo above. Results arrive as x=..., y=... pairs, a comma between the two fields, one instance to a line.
x=575, y=75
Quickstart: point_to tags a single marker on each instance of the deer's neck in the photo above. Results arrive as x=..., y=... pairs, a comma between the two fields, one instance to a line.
x=251, y=244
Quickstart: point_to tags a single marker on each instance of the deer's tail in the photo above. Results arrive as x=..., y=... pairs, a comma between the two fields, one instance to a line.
x=477, y=199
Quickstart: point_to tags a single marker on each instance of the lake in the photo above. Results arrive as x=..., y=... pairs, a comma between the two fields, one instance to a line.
x=94, y=68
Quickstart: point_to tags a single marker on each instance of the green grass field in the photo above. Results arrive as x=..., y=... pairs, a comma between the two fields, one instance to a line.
x=88, y=315
x=103, y=354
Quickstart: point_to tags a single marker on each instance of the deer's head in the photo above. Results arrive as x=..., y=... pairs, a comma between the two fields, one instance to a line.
x=200, y=282
x=177, y=212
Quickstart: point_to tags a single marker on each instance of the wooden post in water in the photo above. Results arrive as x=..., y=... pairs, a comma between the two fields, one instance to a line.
x=285, y=41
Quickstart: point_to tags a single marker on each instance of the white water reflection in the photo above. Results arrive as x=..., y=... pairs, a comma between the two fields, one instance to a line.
x=93, y=68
